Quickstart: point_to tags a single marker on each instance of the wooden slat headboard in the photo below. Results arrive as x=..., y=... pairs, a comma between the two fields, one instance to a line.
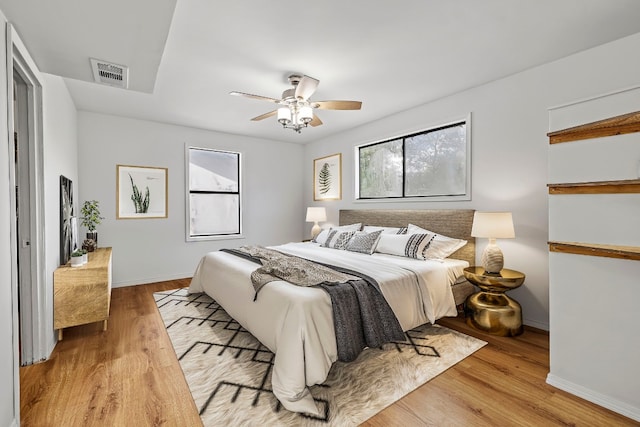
x=448, y=222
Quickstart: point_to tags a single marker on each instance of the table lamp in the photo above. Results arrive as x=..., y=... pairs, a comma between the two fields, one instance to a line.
x=314, y=215
x=492, y=225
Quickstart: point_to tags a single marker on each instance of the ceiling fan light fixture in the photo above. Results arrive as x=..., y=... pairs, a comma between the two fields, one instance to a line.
x=296, y=109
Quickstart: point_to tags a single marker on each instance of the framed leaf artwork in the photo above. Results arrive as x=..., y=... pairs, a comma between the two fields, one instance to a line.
x=327, y=177
x=66, y=220
x=141, y=192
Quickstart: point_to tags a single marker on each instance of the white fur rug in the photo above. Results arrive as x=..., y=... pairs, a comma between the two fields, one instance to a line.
x=229, y=371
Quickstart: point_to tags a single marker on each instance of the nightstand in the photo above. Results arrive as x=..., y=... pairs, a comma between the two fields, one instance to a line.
x=491, y=310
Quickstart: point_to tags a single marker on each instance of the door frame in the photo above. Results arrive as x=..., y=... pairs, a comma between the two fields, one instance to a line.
x=34, y=324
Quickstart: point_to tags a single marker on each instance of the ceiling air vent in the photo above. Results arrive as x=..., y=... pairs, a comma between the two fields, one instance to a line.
x=110, y=74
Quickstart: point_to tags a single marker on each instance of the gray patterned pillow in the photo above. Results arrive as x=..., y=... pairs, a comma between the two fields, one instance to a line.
x=338, y=239
x=324, y=234
x=364, y=242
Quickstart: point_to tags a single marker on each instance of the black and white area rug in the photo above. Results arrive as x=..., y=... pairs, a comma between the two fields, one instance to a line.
x=229, y=371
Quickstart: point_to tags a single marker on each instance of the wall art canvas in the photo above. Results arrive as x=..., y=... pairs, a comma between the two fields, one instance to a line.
x=327, y=177
x=141, y=192
x=66, y=216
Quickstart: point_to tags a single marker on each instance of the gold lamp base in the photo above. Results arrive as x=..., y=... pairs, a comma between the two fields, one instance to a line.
x=494, y=313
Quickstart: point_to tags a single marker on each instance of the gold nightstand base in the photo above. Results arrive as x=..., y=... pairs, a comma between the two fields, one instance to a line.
x=494, y=313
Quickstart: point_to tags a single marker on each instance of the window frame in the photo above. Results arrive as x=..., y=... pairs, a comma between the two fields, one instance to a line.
x=431, y=198
x=188, y=192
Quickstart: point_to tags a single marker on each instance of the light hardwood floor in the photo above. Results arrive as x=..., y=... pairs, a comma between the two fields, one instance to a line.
x=129, y=376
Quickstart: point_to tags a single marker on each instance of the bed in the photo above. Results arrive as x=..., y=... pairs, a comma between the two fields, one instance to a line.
x=296, y=323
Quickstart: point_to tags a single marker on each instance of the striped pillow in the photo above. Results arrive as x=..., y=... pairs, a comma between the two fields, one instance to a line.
x=441, y=246
x=408, y=245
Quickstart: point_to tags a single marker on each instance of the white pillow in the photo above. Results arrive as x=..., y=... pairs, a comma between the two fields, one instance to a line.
x=441, y=247
x=385, y=230
x=351, y=227
x=338, y=239
x=322, y=236
x=364, y=242
x=324, y=233
x=408, y=245
x=414, y=229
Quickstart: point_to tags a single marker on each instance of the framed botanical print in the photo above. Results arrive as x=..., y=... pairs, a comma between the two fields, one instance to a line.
x=141, y=192
x=327, y=177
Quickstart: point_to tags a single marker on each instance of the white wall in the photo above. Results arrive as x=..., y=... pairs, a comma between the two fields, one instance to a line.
x=8, y=362
x=609, y=286
x=509, y=152
x=149, y=250
x=60, y=158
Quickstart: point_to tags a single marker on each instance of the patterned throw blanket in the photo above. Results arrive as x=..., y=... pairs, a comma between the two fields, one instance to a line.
x=361, y=316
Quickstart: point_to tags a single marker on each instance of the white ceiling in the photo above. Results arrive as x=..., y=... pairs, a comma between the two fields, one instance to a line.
x=390, y=55
x=62, y=35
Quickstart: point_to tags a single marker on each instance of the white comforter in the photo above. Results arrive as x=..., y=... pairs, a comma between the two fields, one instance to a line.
x=296, y=323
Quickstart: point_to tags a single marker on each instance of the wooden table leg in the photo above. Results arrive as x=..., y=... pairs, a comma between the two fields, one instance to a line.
x=60, y=334
x=104, y=325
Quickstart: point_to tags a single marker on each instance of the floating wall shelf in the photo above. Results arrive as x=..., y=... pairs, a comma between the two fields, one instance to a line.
x=619, y=125
x=597, y=187
x=595, y=249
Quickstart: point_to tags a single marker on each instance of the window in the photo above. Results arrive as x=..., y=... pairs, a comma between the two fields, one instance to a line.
x=430, y=164
x=213, y=199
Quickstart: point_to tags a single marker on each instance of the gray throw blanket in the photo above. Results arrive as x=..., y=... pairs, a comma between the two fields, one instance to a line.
x=299, y=271
x=361, y=315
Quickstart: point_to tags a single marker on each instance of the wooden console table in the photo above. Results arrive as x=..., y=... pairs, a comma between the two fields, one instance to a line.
x=83, y=294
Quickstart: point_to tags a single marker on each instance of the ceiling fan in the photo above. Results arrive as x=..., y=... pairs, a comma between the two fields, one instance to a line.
x=296, y=109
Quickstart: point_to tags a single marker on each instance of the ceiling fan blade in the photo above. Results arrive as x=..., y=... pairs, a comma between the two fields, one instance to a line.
x=315, y=121
x=259, y=97
x=265, y=115
x=306, y=87
x=337, y=105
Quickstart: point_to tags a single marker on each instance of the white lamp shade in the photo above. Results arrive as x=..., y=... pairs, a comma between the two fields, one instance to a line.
x=284, y=115
x=316, y=214
x=305, y=114
x=493, y=225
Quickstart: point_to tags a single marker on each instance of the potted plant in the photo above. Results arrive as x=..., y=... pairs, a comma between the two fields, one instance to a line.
x=76, y=258
x=91, y=218
x=85, y=256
